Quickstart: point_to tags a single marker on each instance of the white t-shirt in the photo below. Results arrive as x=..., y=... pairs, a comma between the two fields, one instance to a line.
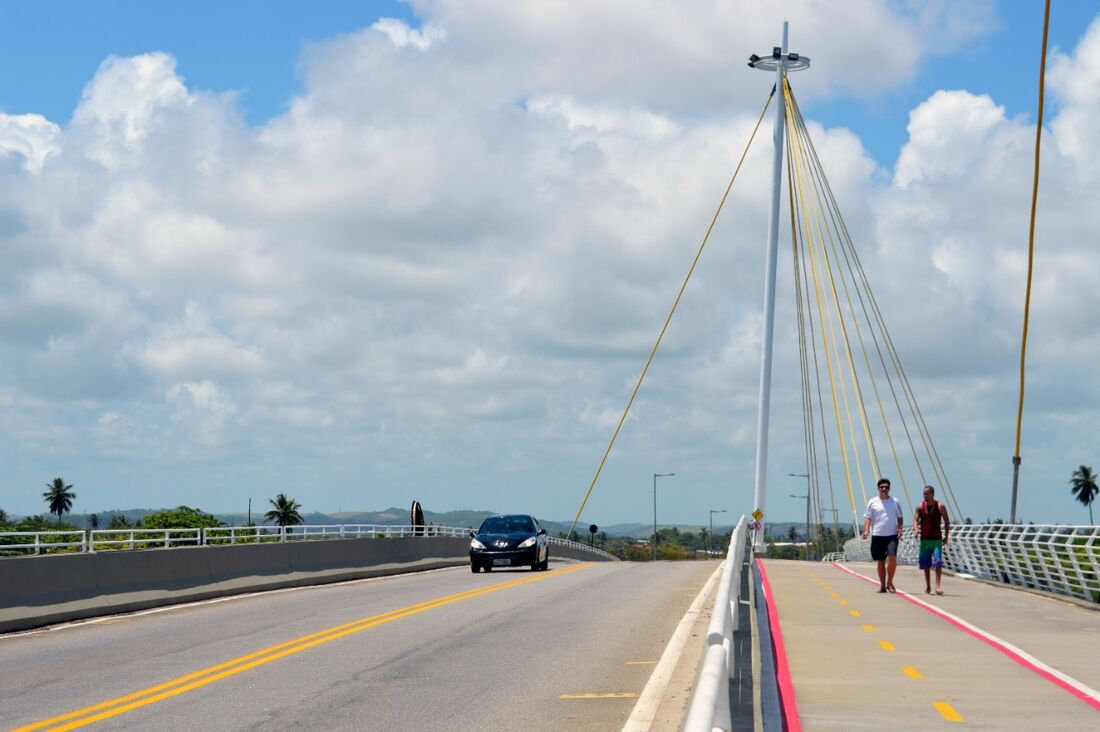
x=884, y=515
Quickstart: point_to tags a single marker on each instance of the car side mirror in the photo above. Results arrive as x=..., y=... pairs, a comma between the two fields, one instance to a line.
x=542, y=532
x=472, y=534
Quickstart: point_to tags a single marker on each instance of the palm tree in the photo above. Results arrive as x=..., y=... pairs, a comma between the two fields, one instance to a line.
x=3, y=517
x=59, y=497
x=1083, y=487
x=93, y=521
x=284, y=511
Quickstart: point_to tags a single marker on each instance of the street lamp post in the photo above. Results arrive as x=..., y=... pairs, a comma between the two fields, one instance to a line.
x=655, y=477
x=712, y=512
x=807, y=497
x=836, y=534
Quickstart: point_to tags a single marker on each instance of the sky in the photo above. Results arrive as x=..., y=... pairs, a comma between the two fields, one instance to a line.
x=365, y=253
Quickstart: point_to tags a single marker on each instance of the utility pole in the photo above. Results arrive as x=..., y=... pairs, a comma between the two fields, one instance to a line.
x=779, y=61
x=712, y=512
x=655, y=477
x=807, y=497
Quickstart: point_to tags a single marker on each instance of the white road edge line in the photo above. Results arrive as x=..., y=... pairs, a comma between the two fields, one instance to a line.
x=645, y=709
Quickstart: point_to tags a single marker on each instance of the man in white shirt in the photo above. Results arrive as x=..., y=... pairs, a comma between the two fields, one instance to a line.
x=883, y=521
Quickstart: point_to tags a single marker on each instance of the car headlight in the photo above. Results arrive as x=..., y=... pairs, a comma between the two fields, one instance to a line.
x=475, y=544
x=527, y=542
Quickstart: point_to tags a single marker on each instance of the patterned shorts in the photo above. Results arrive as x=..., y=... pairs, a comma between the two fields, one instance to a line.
x=931, y=554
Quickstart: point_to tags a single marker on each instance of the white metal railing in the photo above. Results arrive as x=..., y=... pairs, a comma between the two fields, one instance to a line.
x=100, y=539
x=1064, y=560
x=833, y=557
x=38, y=541
x=709, y=708
x=582, y=547
x=77, y=540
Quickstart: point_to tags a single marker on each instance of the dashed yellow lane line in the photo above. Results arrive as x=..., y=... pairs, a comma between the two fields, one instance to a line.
x=948, y=712
x=197, y=679
x=611, y=695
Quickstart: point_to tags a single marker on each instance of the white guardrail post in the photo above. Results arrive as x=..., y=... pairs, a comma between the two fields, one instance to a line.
x=709, y=709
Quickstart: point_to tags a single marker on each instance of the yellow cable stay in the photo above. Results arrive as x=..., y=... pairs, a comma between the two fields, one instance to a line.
x=671, y=312
x=1030, y=265
x=833, y=297
x=833, y=301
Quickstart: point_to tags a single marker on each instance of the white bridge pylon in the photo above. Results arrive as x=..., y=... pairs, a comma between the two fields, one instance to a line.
x=780, y=61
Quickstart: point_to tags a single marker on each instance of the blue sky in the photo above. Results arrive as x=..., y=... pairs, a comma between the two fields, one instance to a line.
x=49, y=50
x=361, y=253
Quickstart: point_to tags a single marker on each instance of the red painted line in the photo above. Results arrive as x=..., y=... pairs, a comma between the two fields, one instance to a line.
x=791, y=720
x=1079, y=690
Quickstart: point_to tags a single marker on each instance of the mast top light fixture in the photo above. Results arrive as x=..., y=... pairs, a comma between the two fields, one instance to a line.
x=789, y=61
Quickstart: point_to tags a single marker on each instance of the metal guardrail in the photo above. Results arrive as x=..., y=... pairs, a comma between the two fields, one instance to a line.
x=1064, y=560
x=709, y=708
x=833, y=557
x=36, y=542
x=582, y=547
x=96, y=540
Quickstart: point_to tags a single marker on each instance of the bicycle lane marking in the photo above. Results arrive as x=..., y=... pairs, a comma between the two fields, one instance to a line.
x=1078, y=689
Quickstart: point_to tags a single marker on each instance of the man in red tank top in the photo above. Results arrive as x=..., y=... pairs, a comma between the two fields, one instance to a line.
x=926, y=527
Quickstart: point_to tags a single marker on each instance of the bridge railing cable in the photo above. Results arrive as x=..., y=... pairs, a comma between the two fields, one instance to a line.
x=709, y=708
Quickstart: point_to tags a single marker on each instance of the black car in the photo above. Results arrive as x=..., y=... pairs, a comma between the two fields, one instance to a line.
x=509, y=541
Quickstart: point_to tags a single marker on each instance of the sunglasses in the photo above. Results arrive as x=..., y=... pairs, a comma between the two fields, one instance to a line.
x=884, y=487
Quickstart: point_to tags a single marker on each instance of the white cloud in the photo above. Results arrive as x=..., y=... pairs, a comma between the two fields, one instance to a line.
x=401, y=35
x=451, y=254
x=30, y=136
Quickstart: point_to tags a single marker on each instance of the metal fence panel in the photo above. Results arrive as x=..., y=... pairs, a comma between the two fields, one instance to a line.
x=1064, y=560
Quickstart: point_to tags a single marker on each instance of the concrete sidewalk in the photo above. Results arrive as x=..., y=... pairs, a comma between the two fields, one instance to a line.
x=863, y=660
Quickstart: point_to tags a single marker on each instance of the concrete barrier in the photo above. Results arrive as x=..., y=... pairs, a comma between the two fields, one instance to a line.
x=37, y=591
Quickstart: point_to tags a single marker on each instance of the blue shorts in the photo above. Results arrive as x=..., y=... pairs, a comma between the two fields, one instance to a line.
x=931, y=554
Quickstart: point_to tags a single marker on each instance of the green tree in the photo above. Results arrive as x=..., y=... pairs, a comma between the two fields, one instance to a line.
x=93, y=521
x=284, y=511
x=118, y=521
x=1083, y=487
x=38, y=523
x=181, y=517
x=59, y=497
x=4, y=518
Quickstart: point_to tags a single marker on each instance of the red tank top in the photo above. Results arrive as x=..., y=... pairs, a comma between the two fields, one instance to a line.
x=930, y=521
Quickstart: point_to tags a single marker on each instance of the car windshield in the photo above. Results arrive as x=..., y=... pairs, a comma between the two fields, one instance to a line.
x=507, y=525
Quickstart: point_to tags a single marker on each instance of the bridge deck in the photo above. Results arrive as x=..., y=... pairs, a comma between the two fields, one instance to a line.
x=863, y=660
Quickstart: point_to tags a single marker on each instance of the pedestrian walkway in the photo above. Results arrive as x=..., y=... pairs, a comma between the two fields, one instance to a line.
x=981, y=656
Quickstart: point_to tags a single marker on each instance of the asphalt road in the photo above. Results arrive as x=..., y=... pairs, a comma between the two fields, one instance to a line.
x=565, y=649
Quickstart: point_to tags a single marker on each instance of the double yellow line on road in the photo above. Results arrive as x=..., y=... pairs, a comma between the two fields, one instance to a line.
x=197, y=679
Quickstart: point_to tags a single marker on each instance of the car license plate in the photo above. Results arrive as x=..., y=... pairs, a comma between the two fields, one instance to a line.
x=501, y=562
